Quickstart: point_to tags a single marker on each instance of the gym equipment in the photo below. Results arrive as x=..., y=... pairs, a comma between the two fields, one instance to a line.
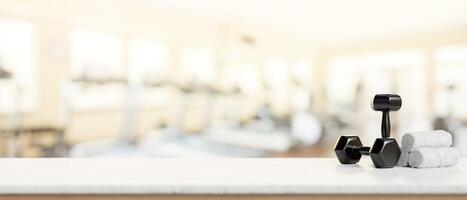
x=386, y=103
x=385, y=151
x=349, y=149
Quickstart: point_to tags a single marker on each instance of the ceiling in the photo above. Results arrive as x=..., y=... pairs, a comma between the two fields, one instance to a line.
x=334, y=21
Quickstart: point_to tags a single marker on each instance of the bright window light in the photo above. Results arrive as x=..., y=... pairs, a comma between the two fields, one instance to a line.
x=148, y=61
x=353, y=81
x=97, y=55
x=452, y=55
x=377, y=72
x=343, y=75
x=301, y=71
x=451, y=84
x=276, y=72
x=249, y=79
x=392, y=59
x=18, y=56
x=198, y=64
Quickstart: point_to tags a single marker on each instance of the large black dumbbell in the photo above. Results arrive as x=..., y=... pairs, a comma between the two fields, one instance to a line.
x=385, y=151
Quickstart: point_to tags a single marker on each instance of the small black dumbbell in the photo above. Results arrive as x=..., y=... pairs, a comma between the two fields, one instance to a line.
x=349, y=149
x=385, y=151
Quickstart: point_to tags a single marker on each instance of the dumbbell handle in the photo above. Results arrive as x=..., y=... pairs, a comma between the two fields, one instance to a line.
x=386, y=125
x=360, y=150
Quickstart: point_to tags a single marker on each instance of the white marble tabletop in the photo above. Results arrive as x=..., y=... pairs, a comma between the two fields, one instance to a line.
x=222, y=176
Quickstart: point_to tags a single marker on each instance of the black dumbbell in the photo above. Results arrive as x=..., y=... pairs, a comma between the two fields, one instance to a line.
x=386, y=103
x=349, y=149
x=385, y=151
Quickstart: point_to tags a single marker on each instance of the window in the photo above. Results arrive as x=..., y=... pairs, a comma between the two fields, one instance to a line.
x=198, y=65
x=248, y=81
x=18, y=57
x=276, y=76
x=240, y=71
x=451, y=82
x=276, y=73
x=149, y=64
x=353, y=81
x=302, y=72
x=96, y=56
x=343, y=75
x=148, y=61
x=289, y=82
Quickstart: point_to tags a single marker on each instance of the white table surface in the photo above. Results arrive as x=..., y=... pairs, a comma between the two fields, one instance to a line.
x=222, y=176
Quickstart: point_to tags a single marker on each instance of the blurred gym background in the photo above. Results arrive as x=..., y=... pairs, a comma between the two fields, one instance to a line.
x=220, y=78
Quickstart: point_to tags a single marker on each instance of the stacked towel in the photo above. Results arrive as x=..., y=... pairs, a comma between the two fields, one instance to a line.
x=427, y=157
x=438, y=138
x=404, y=158
x=428, y=149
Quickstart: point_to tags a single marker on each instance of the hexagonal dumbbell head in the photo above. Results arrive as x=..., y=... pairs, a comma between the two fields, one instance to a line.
x=345, y=154
x=385, y=152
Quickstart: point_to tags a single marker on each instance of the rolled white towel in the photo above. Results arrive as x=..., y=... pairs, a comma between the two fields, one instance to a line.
x=438, y=138
x=426, y=157
x=404, y=158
